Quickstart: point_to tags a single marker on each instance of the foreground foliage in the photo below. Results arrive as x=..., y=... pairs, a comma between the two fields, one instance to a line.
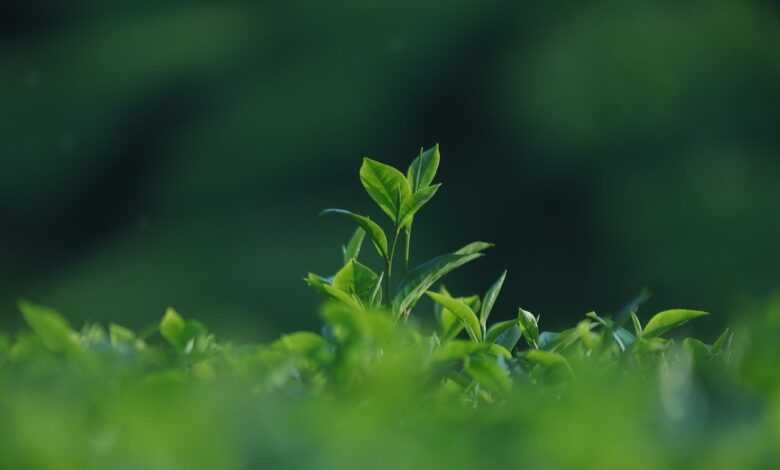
x=381, y=388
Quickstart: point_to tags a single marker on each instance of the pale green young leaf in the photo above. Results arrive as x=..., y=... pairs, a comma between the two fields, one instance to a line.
x=488, y=373
x=423, y=169
x=421, y=278
x=303, y=343
x=529, y=327
x=386, y=185
x=173, y=328
x=51, y=327
x=548, y=359
x=490, y=299
x=378, y=237
x=120, y=335
x=456, y=349
x=637, y=324
x=461, y=310
x=376, y=295
x=412, y=204
x=341, y=296
x=669, y=319
x=450, y=325
x=357, y=280
x=352, y=248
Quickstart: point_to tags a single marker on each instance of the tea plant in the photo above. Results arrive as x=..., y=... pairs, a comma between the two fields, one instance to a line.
x=463, y=393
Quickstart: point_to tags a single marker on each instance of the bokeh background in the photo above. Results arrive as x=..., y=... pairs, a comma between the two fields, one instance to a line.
x=161, y=153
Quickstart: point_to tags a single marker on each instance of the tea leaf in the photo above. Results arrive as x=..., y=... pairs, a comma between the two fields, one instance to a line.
x=488, y=373
x=51, y=327
x=497, y=329
x=357, y=280
x=423, y=169
x=464, y=313
x=529, y=327
x=341, y=296
x=173, y=328
x=412, y=204
x=637, y=324
x=669, y=319
x=387, y=186
x=548, y=359
x=421, y=278
x=120, y=335
x=352, y=248
x=490, y=299
x=376, y=233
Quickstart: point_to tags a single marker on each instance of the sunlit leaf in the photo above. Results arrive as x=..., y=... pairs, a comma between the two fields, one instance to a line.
x=548, y=359
x=529, y=327
x=421, y=278
x=173, y=327
x=669, y=319
x=357, y=280
x=423, y=169
x=352, y=248
x=464, y=313
x=378, y=237
x=51, y=327
x=387, y=186
x=490, y=299
x=489, y=374
x=413, y=203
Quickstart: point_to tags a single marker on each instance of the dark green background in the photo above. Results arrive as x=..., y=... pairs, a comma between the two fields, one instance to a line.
x=161, y=153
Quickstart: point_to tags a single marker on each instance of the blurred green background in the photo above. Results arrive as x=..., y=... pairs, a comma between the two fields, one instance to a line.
x=161, y=153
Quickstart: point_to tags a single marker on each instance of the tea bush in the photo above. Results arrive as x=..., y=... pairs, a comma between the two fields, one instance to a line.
x=379, y=387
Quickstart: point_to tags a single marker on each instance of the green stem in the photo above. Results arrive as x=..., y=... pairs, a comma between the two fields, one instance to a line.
x=408, y=233
x=389, y=265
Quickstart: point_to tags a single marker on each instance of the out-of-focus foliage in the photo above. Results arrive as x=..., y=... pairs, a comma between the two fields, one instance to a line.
x=370, y=391
x=158, y=152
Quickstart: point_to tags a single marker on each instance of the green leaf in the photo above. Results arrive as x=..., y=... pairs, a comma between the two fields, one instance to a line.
x=496, y=329
x=51, y=327
x=173, y=328
x=723, y=342
x=423, y=169
x=697, y=348
x=412, y=204
x=376, y=296
x=352, y=248
x=556, y=341
x=304, y=343
x=378, y=237
x=387, y=186
x=489, y=374
x=341, y=296
x=464, y=313
x=120, y=335
x=456, y=349
x=316, y=281
x=357, y=280
x=529, y=326
x=669, y=319
x=637, y=324
x=490, y=299
x=449, y=323
x=548, y=359
x=421, y=278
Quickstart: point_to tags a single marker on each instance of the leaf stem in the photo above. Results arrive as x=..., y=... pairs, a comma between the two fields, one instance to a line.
x=408, y=233
x=389, y=265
